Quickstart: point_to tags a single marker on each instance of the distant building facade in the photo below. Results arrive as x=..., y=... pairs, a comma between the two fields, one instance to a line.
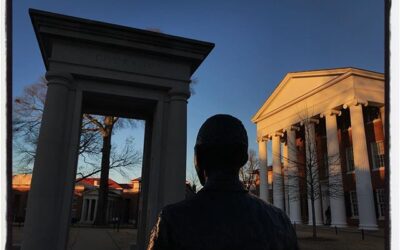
x=123, y=200
x=325, y=114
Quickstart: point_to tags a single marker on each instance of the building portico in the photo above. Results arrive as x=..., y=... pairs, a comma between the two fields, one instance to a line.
x=303, y=110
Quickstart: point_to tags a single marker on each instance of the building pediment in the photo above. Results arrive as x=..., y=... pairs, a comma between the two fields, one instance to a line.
x=298, y=86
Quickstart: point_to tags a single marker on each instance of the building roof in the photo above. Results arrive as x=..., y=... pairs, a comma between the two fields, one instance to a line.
x=313, y=94
x=22, y=179
x=96, y=182
x=309, y=81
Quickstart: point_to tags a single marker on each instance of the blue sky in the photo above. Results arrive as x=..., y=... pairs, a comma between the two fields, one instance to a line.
x=257, y=43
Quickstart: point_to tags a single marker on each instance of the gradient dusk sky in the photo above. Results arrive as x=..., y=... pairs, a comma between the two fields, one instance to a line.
x=256, y=44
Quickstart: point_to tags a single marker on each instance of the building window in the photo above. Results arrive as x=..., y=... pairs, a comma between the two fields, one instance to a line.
x=353, y=204
x=380, y=201
x=349, y=159
x=378, y=154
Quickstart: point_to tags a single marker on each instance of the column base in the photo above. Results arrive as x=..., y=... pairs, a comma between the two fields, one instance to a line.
x=370, y=227
x=339, y=225
x=316, y=223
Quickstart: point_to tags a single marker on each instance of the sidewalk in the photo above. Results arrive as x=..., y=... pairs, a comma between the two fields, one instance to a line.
x=349, y=238
x=85, y=238
x=101, y=239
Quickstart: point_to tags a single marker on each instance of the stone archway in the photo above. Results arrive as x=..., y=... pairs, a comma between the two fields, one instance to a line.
x=135, y=73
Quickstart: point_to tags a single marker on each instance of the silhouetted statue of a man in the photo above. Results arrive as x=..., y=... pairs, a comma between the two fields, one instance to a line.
x=222, y=215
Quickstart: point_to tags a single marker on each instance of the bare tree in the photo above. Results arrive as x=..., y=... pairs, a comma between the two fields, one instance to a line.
x=121, y=161
x=96, y=134
x=194, y=181
x=27, y=117
x=248, y=172
x=308, y=172
x=105, y=126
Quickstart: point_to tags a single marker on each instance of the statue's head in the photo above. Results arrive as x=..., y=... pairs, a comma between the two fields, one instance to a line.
x=221, y=145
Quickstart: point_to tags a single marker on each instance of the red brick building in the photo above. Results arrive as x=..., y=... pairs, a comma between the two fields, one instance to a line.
x=123, y=199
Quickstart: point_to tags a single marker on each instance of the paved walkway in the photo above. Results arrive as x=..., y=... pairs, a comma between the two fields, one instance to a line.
x=86, y=238
x=346, y=239
x=101, y=239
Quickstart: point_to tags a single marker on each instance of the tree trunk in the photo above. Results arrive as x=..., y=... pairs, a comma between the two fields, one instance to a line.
x=312, y=198
x=101, y=213
x=313, y=216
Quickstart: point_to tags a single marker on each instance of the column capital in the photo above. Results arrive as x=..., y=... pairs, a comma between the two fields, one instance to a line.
x=280, y=134
x=263, y=138
x=59, y=77
x=291, y=128
x=309, y=120
x=179, y=94
x=330, y=113
x=356, y=101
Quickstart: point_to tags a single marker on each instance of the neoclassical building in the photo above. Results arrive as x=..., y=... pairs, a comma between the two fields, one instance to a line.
x=325, y=126
x=123, y=199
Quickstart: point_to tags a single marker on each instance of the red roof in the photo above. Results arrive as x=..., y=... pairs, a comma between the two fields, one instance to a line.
x=111, y=182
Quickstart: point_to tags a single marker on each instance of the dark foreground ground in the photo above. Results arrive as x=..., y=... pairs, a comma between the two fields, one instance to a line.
x=108, y=239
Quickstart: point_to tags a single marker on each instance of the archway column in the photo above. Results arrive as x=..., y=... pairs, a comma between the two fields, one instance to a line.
x=50, y=197
x=277, y=182
x=365, y=198
x=335, y=185
x=263, y=158
x=293, y=177
x=175, y=153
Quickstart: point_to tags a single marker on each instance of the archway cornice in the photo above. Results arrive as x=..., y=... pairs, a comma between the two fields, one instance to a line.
x=50, y=26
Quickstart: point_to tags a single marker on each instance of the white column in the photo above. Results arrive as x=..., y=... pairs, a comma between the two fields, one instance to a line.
x=312, y=173
x=263, y=158
x=382, y=112
x=335, y=186
x=293, y=178
x=175, y=151
x=285, y=178
x=95, y=207
x=83, y=210
x=277, y=182
x=50, y=197
x=365, y=198
x=89, y=213
x=87, y=210
x=325, y=200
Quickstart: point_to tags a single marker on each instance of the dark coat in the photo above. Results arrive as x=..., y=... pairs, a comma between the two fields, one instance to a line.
x=223, y=216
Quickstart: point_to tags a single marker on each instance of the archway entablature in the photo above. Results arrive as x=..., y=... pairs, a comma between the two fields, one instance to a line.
x=52, y=27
